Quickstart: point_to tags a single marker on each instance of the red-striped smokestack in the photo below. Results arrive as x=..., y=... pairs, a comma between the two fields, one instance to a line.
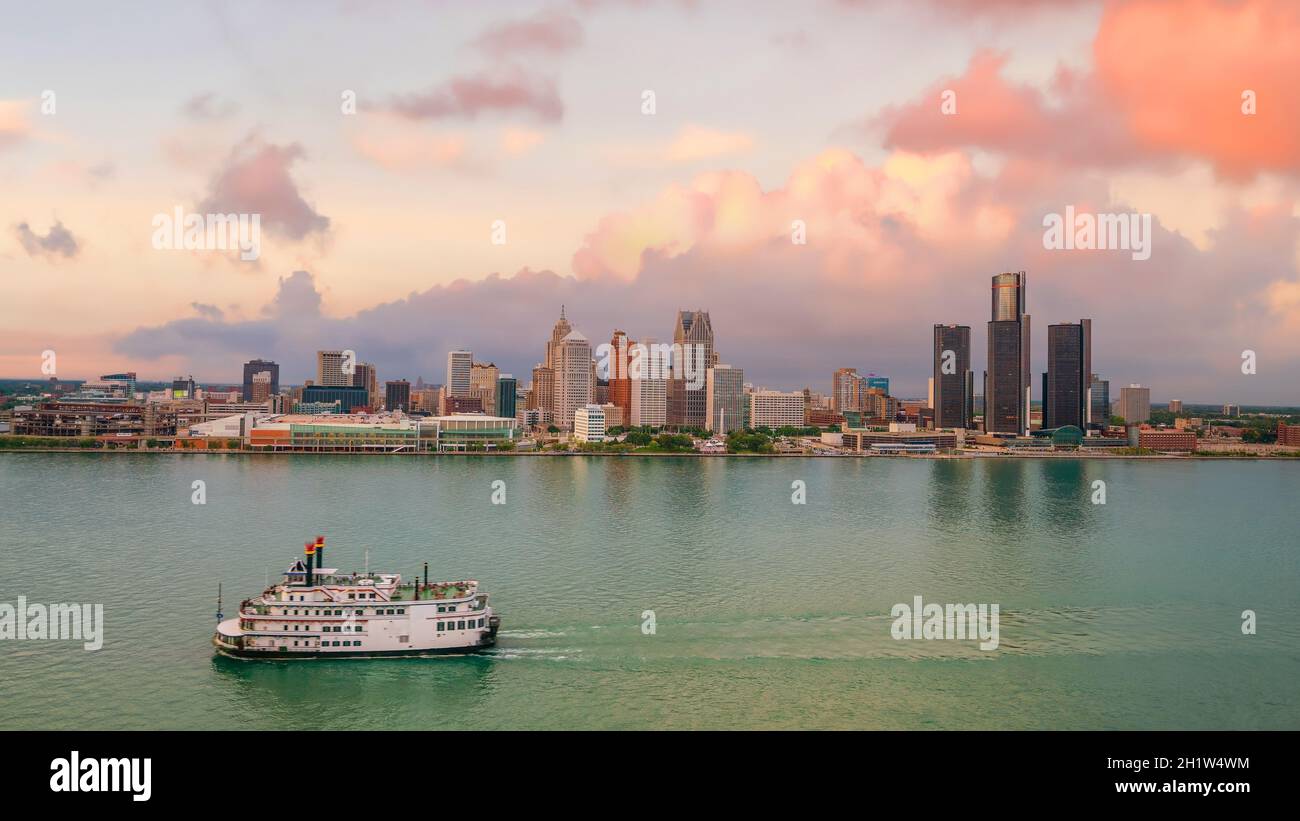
x=309, y=550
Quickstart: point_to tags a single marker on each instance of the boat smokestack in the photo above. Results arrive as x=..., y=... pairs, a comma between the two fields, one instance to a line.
x=426, y=575
x=309, y=550
x=320, y=552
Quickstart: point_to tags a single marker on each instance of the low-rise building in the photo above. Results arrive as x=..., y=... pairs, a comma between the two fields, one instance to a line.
x=867, y=440
x=1288, y=435
x=82, y=419
x=776, y=409
x=589, y=424
x=1167, y=440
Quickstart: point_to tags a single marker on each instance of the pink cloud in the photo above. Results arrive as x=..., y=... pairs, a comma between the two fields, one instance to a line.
x=499, y=92
x=1167, y=86
x=255, y=179
x=548, y=32
x=14, y=126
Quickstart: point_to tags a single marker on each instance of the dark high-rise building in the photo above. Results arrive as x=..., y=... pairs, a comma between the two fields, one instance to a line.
x=1007, y=382
x=1100, y=400
x=1069, y=375
x=256, y=366
x=397, y=395
x=954, y=384
x=507, y=393
x=687, y=393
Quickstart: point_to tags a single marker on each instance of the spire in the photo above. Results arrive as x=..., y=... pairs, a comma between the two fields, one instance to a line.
x=561, y=310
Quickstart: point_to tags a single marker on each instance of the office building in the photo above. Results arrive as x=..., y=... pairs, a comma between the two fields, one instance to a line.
x=953, y=383
x=561, y=329
x=1135, y=404
x=460, y=364
x=589, y=424
x=507, y=396
x=574, y=377
x=649, y=403
x=347, y=397
x=620, y=378
x=1175, y=406
x=1100, y=397
x=397, y=395
x=367, y=377
x=693, y=355
x=256, y=366
x=776, y=409
x=335, y=369
x=1068, y=379
x=724, y=399
x=1007, y=382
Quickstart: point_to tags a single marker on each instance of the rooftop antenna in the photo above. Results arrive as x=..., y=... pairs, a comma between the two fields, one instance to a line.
x=219, y=614
x=367, y=562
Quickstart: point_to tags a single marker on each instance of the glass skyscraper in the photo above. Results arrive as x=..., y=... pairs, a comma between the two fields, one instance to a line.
x=1007, y=380
x=953, y=382
x=1069, y=371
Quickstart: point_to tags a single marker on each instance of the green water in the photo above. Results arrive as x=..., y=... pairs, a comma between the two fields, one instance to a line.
x=768, y=614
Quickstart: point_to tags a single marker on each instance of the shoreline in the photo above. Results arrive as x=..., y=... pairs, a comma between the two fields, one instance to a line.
x=689, y=455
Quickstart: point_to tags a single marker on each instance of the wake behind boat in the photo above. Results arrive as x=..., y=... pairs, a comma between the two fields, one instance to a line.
x=317, y=612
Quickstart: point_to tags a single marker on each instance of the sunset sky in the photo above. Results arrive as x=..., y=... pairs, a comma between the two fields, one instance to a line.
x=377, y=226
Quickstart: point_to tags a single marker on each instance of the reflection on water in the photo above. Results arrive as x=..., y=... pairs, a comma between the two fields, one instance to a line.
x=358, y=693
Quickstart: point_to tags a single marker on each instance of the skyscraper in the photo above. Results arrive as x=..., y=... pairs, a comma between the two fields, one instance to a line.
x=725, y=397
x=459, y=366
x=1069, y=371
x=1100, y=397
x=254, y=367
x=693, y=354
x=367, y=377
x=507, y=393
x=1135, y=404
x=953, y=383
x=261, y=387
x=558, y=333
x=543, y=392
x=649, y=402
x=483, y=385
x=397, y=395
x=1007, y=382
x=574, y=385
x=620, y=381
x=846, y=390
x=329, y=370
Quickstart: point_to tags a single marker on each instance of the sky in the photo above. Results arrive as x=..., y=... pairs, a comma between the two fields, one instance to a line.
x=437, y=175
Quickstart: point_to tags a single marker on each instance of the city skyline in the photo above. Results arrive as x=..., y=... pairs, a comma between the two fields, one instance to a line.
x=848, y=220
x=327, y=371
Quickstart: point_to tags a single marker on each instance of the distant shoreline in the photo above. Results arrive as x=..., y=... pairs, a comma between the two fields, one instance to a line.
x=1294, y=456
